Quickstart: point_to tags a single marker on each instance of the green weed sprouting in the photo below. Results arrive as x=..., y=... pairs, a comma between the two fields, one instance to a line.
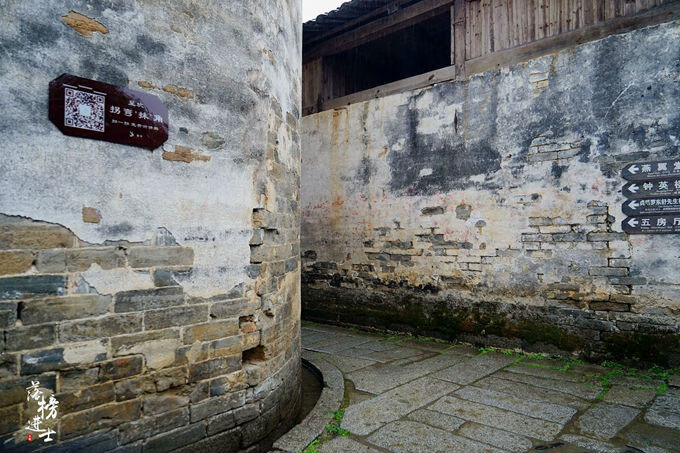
x=337, y=430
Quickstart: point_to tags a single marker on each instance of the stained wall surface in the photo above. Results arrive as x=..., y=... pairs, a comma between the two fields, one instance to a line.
x=155, y=294
x=489, y=209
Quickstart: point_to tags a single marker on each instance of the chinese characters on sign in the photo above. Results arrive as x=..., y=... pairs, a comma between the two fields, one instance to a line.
x=651, y=206
x=46, y=411
x=652, y=224
x=648, y=170
x=90, y=109
x=653, y=193
x=669, y=187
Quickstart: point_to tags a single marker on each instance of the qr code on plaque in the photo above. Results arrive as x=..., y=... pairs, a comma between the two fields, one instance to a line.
x=84, y=110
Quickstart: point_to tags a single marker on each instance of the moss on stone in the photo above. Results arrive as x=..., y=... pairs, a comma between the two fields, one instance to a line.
x=408, y=311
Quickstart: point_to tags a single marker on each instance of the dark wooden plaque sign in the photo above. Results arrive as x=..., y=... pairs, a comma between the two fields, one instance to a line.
x=648, y=170
x=651, y=206
x=90, y=109
x=665, y=224
x=653, y=193
x=668, y=187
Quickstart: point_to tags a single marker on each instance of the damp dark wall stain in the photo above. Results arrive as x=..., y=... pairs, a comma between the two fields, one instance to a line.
x=593, y=108
x=451, y=158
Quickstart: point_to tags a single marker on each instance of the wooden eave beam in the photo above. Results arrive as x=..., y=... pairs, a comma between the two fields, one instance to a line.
x=404, y=18
x=356, y=22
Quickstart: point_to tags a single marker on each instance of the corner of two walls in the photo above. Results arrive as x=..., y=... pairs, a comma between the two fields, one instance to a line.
x=489, y=210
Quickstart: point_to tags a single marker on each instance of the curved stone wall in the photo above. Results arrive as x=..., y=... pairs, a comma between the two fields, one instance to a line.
x=154, y=294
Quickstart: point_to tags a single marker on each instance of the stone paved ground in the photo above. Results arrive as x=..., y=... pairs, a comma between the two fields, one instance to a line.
x=406, y=395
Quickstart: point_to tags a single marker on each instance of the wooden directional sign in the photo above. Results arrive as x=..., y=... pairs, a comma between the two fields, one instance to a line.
x=653, y=193
x=666, y=187
x=665, y=224
x=651, y=206
x=652, y=170
x=90, y=109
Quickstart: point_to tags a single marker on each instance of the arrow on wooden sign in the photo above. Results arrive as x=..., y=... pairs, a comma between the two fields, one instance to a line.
x=651, y=170
x=651, y=206
x=666, y=187
x=664, y=224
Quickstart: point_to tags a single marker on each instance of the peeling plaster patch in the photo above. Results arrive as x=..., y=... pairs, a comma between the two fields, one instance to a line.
x=91, y=215
x=463, y=211
x=526, y=199
x=257, y=82
x=212, y=140
x=112, y=281
x=185, y=154
x=440, y=122
x=539, y=81
x=85, y=352
x=164, y=237
x=433, y=210
x=399, y=145
x=157, y=354
x=182, y=93
x=84, y=25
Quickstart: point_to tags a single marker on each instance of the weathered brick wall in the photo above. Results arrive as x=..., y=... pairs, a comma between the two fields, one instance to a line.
x=154, y=293
x=490, y=209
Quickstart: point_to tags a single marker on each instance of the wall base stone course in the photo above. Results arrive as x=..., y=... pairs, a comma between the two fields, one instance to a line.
x=495, y=230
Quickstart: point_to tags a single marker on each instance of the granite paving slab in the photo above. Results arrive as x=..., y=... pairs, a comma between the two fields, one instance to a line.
x=369, y=415
x=548, y=373
x=496, y=437
x=605, y=420
x=415, y=396
x=413, y=437
x=646, y=449
x=475, y=368
x=305, y=329
x=665, y=411
x=645, y=434
x=436, y=419
x=632, y=381
x=409, y=360
x=344, y=363
x=674, y=380
x=589, y=368
x=381, y=377
x=530, y=392
x=394, y=354
x=309, y=339
x=591, y=444
x=345, y=445
x=585, y=391
x=337, y=343
x=538, y=409
x=428, y=346
x=376, y=346
x=629, y=397
x=498, y=418
x=382, y=356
